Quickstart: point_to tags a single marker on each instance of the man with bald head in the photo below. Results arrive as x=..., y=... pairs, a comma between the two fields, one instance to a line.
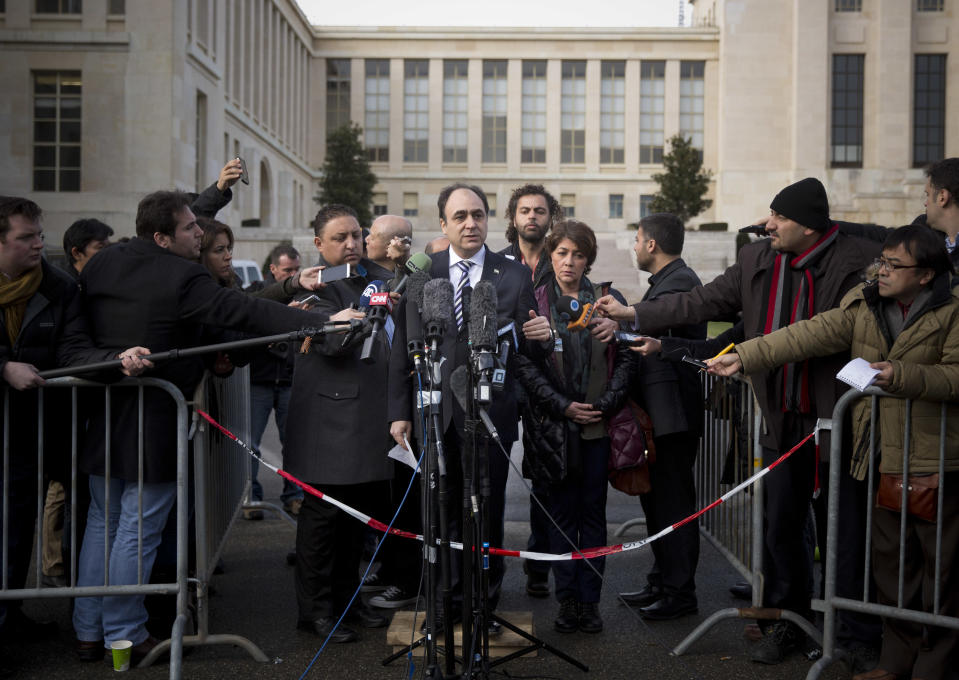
x=388, y=244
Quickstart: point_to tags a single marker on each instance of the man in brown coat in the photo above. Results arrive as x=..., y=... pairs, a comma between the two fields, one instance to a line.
x=803, y=268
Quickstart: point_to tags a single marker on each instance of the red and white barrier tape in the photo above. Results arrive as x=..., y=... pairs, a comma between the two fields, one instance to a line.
x=586, y=553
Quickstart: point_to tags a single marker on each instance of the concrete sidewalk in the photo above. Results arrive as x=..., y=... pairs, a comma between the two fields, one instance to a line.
x=254, y=598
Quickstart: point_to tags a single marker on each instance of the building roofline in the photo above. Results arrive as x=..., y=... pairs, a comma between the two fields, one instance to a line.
x=487, y=33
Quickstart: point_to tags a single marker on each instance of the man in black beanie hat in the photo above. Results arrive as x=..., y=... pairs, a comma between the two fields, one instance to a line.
x=805, y=267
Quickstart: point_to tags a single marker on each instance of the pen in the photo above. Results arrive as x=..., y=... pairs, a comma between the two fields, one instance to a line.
x=728, y=347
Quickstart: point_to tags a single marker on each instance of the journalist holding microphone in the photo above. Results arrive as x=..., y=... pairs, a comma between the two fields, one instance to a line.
x=565, y=441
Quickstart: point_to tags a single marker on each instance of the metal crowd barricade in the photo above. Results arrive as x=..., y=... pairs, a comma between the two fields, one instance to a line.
x=179, y=588
x=223, y=479
x=832, y=603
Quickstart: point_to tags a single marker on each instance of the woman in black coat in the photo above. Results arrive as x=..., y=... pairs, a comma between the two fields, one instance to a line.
x=566, y=445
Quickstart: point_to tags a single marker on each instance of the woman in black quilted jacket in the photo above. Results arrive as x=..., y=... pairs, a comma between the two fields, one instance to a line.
x=565, y=441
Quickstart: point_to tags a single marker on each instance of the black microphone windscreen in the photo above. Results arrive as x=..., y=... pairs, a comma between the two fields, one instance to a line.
x=416, y=282
x=569, y=308
x=438, y=301
x=482, y=326
x=458, y=384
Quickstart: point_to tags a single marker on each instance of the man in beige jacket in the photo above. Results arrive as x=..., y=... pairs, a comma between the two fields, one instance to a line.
x=906, y=323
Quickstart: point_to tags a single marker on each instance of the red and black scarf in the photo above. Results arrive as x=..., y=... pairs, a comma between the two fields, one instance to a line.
x=795, y=396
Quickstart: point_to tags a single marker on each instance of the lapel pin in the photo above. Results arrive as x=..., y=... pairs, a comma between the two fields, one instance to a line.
x=496, y=271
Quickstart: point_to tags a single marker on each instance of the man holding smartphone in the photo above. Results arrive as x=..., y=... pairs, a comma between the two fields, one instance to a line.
x=388, y=244
x=337, y=440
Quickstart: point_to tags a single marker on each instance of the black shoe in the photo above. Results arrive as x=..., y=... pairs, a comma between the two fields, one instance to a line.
x=589, y=619
x=644, y=597
x=440, y=623
x=89, y=650
x=669, y=607
x=778, y=641
x=373, y=582
x=394, y=598
x=322, y=627
x=362, y=615
x=741, y=590
x=567, y=621
x=537, y=582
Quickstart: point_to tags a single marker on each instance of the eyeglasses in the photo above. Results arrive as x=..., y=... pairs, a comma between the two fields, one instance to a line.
x=881, y=263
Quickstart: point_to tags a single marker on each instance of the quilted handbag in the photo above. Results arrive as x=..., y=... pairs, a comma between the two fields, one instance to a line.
x=631, y=449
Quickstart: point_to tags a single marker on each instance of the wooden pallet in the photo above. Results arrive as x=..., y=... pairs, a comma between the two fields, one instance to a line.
x=401, y=632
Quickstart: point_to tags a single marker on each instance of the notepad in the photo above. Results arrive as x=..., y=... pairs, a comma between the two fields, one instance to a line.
x=857, y=373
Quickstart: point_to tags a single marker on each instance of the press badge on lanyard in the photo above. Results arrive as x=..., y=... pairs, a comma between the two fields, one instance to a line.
x=558, y=344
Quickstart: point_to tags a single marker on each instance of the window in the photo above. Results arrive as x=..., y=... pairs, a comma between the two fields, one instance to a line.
x=533, y=143
x=454, y=111
x=410, y=205
x=379, y=204
x=416, y=107
x=491, y=201
x=615, y=206
x=645, y=205
x=199, y=146
x=117, y=7
x=929, y=5
x=494, y=111
x=56, y=130
x=568, y=203
x=337, y=93
x=929, y=110
x=572, y=142
x=612, y=112
x=377, y=131
x=691, y=88
x=59, y=6
x=847, y=83
x=264, y=181
x=652, y=98
x=848, y=5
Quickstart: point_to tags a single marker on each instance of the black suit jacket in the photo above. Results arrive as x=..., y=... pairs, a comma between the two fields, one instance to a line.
x=335, y=430
x=669, y=391
x=514, y=300
x=138, y=293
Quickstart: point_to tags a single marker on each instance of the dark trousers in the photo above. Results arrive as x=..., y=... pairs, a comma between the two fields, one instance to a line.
x=539, y=525
x=20, y=522
x=329, y=544
x=787, y=491
x=672, y=497
x=401, y=559
x=905, y=650
x=498, y=471
x=578, y=506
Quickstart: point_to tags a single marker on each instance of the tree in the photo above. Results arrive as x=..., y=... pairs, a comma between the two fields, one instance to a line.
x=683, y=185
x=347, y=177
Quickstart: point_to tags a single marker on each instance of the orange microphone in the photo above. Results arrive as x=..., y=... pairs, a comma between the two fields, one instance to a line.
x=576, y=314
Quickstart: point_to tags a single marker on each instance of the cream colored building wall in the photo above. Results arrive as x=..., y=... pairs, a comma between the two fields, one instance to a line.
x=141, y=73
x=774, y=109
x=591, y=181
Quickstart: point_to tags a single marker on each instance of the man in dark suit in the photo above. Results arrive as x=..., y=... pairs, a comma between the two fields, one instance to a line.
x=145, y=295
x=463, y=217
x=337, y=441
x=669, y=392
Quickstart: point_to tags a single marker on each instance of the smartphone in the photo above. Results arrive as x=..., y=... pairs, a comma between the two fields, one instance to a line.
x=629, y=339
x=695, y=362
x=244, y=176
x=343, y=271
x=311, y=299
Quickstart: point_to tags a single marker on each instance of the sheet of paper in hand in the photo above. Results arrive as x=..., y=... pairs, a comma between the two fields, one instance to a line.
x=858, y=374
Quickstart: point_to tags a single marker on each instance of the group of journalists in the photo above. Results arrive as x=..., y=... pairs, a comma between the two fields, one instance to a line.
x=572, y=356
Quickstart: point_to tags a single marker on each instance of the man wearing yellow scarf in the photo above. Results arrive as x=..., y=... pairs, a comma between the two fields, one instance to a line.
x=33, y=299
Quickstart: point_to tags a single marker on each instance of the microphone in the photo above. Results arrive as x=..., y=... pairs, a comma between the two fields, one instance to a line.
x=458, y=384
x=576, y=314
x=415, y=343
x=437, y=310
x=419, y=262
x=482, y=338
x=379, y=305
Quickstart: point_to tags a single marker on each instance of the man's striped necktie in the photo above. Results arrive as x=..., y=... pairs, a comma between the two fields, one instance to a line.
x=464, y=281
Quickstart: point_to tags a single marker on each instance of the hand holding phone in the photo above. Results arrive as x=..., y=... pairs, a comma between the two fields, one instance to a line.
x=244, y=176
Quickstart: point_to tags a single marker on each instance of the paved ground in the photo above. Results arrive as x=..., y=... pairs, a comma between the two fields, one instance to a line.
x=254, y=598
